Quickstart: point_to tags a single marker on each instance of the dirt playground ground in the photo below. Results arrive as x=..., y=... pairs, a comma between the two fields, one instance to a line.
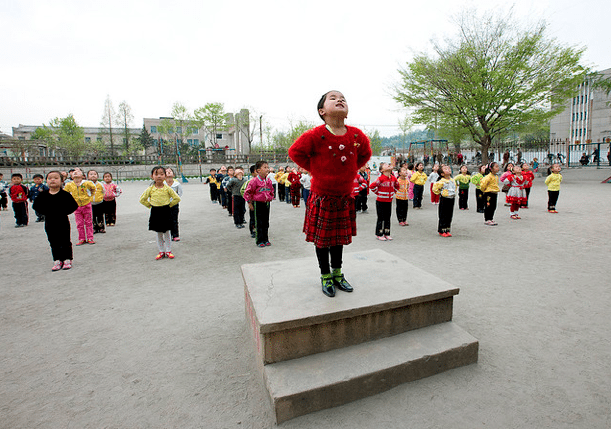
x=124, y=341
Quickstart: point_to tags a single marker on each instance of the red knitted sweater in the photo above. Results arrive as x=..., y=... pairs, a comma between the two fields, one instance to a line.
x=332, y=160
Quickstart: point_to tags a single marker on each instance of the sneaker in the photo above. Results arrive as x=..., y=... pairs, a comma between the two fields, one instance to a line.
x=448, y=234
x=388, y=237
x=342, y=284
x=253, y=234
x=169, y=255
x=267, y=243
x=67, y=265
x=328, y=287
x=381, y=237
x=81, y=242
x=58, y=266
x=160, y=256
x=261, y=245
x=90, y=241
x=517, y=217
x=176, y=239
x=493, y=223
x=513, y=216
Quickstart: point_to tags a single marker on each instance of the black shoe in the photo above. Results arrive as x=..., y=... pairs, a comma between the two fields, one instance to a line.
x=253, y=235
x=342, y=284
x=328, y=288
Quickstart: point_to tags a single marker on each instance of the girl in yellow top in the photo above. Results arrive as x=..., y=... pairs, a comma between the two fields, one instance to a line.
x=418, y=179
x=463, y=181
x=83, y=192
x=553, y=187
x=97, y=207
x=489, y=185
x=479, y=195
x=159, y=197
x=402, y=196
x=445, y=187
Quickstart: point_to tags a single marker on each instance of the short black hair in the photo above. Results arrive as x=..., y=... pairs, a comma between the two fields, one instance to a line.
x=252, y=169
x=16, y=175
x=158, y=167
x=260, y=164
x=37, y=176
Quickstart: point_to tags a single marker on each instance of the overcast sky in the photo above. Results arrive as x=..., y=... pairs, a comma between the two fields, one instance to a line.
x=275, y=57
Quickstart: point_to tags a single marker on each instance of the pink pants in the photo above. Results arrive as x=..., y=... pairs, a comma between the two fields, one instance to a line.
x=84, y=222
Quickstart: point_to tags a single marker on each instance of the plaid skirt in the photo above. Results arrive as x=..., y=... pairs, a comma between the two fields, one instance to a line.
x=330, y=220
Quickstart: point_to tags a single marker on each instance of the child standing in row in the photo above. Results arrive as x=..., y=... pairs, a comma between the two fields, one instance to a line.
x=418, y=179
x=295, y=180
x=553, y=181
x=361, y=198
x=3, y=197
x=19, y=196
x=82, y=191
x=384, y=187
x=479, y=195
x=259, y=193
x=516, y=195
x=445, y=187
x=159, y=197
x=211, y=180
x=402, y=201
x=432, y=179
x=463, y=180
x=306, y=184
x=34, y=191
x=332, y=153
x=176, y=187
x=97, y=203
x=505, y=188
x=234, y=187
x=111, y=192
x=530, y=178
x=489, y=185
x=55, y=204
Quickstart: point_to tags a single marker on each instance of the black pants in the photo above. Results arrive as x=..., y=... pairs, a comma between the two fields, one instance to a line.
x=214, y=192
x=97, y=212
x=361, y=201
x=463, y=198
x=261, y=221
x=239, y=208
x=274, y=186
x=479, y=199
x=281, y=191
x=383, y=210
x=490, y=208
x=445, y=212
x=174, y=210
x=527, y=196
x=552, y=199
x=58, y=234
x=223, y=198
x=20, y=210
x=110, y=211
x=4, y=199
x=402, y=207
x=251, y=221
x=323, y=253
x=418, y=191
x=229, y=203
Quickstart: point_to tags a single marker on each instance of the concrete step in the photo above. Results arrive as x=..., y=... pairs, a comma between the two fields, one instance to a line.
x=290, y=317
x=325, y=380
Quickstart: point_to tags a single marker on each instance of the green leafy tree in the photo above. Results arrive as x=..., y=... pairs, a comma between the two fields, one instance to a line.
x=70, y=136
x=375, y=141
x=145, y=140
x=493, y=77
x=212, y=118
x=184, y=124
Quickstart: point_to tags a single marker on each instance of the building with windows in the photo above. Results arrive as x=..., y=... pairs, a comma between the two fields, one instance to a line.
x=235, y=137
x=587, y=117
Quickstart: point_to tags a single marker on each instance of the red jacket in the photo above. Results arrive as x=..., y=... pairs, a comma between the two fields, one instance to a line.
x=529, y=176
x=359, y=185
x=385, y=187
x=294, y=179
x=332, y=160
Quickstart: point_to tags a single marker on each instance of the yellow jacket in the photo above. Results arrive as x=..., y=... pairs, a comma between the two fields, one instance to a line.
x=283, y=179
x=553, y=182
x=490, y=183
x=278, y=177
x=418, y=178
x=83, y=193
x=445, y=187
x=98, y=196
x=157, y=197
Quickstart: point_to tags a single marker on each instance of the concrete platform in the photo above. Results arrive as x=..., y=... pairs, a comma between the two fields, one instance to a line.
x=325, y=380
x=290, y=317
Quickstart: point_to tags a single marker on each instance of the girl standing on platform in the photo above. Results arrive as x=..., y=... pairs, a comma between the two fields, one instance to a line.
x=489, y=186
x=463, y=180
x=445, y=187
x=56, y=204
x=553, y=187
x=516, y=194
x=401, y=196
x=111, y=192
x=159, y=197
x=332, y=153
x=479, y=195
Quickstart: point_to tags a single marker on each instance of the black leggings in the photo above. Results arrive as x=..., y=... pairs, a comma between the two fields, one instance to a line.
x=322, y=253
x=490, y=205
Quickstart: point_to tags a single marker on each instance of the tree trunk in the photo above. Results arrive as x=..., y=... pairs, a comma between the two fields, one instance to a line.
x=485, y=144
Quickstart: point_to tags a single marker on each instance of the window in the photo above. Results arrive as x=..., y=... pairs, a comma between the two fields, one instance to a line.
x=219, y=137
x=195, y=142
x=179, y=130
x=190, y=142
x=87, y=139
x=194, y=131
x=153, y=129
